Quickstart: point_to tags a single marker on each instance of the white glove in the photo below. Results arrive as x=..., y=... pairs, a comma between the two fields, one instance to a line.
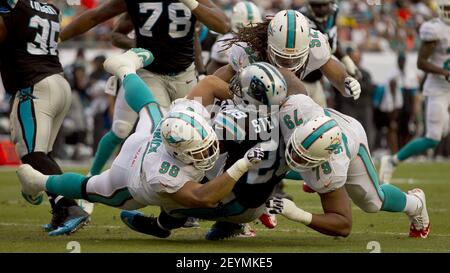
x=352, y=87
x=288, y=209
x=250, y=159
x=253, y=156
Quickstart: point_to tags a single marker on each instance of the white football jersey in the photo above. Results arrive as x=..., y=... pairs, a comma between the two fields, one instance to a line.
x=241, y=55
x=332, y=174
x=219, y=51
x=437, y=30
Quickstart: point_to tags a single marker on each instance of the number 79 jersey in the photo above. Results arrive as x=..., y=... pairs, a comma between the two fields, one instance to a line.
x=33, y=31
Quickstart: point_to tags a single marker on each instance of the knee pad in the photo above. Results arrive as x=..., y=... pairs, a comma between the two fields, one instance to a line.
x=122, y=128
x=371, y=207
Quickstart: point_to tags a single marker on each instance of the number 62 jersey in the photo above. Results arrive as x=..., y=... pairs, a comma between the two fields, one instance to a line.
x=33, y=31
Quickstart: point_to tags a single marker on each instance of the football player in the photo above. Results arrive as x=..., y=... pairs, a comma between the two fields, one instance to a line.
x=160, y=164
x=31, y=69
x=330, y=151
x=244, y=14
x=434, y=59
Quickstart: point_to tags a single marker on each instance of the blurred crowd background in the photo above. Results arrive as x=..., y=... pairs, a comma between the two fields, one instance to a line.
x=381, y=36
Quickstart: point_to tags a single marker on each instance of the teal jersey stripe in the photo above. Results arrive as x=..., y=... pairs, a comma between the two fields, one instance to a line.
x=117, y=199
x=155, y=114
x=192, y=121
x=309, y=140
x=27, y=118
x=249, y=11
x=370, y=168
x=230, y=126
x=345, y=140
x=290, y=42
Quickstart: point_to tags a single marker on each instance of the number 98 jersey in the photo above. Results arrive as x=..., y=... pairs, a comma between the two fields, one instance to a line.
x=166, y=28
x=33, y=31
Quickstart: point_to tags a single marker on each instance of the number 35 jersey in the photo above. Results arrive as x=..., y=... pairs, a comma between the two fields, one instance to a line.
x=166, y=28
x=33, y=31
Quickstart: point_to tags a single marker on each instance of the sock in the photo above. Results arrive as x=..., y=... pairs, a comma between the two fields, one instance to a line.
x=417, y=146
x=69, y=185
x=394, y=200
x=293, y=175
x=413, y=205
x=45, y=164
x=106, y=147
x=137, y=93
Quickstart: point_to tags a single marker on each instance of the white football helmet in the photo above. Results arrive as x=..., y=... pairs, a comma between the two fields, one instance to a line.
x=444, y=10
x=288, y=40
x=188, y=137
x=313, y=143
x=259, y=84
x=244, y=14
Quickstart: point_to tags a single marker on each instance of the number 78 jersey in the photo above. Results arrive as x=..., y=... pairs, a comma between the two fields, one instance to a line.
x=33, y=31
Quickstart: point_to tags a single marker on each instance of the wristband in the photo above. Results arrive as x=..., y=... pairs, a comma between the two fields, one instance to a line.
x=238, y=169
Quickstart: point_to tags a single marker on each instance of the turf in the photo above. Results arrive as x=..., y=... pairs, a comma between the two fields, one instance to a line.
x=20, y=225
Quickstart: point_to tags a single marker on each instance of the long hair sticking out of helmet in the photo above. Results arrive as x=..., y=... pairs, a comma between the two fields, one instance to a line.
x=255, y=36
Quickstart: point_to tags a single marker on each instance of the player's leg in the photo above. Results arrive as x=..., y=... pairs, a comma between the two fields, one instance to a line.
x=366, y=192
x=436, y=123
x=158, y=86
x=181, y=84
x=123, y=122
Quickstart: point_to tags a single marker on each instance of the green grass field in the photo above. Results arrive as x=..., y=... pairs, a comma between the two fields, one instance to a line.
x=20, y=225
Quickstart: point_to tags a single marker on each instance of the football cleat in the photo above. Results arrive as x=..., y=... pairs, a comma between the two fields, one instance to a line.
x=225, y=230
x=307, y=188
x=420, y=223
x=387, y=168
x=31, y=181
x=143, y=224
x=67, y=220
x=135, y=58
x=268, y=219
x=191, y=222
x=86, y=206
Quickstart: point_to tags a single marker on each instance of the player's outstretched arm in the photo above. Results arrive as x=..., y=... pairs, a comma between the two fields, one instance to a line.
x=93, y=17
x=336, y=74
x=209, y=14
x=425, y=51
x=336, y=220
x=209, y=88
x=119, y=35
x=196, y=195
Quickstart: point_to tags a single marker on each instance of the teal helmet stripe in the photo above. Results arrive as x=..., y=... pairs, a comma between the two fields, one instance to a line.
x=290, y=41
x=272, y=80
x=308, y=141
x=191, y=121
x=249, y=11
x=275, y=72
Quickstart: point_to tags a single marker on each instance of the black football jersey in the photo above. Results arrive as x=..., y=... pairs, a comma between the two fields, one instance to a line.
x=166, y=28
x=239, y=131
x=33, y=31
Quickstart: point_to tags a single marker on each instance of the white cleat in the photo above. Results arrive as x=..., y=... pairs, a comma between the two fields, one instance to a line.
x=386, y=169
x=32, y=183
x=86, y=206
x=420, y=223
x=133, y=59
